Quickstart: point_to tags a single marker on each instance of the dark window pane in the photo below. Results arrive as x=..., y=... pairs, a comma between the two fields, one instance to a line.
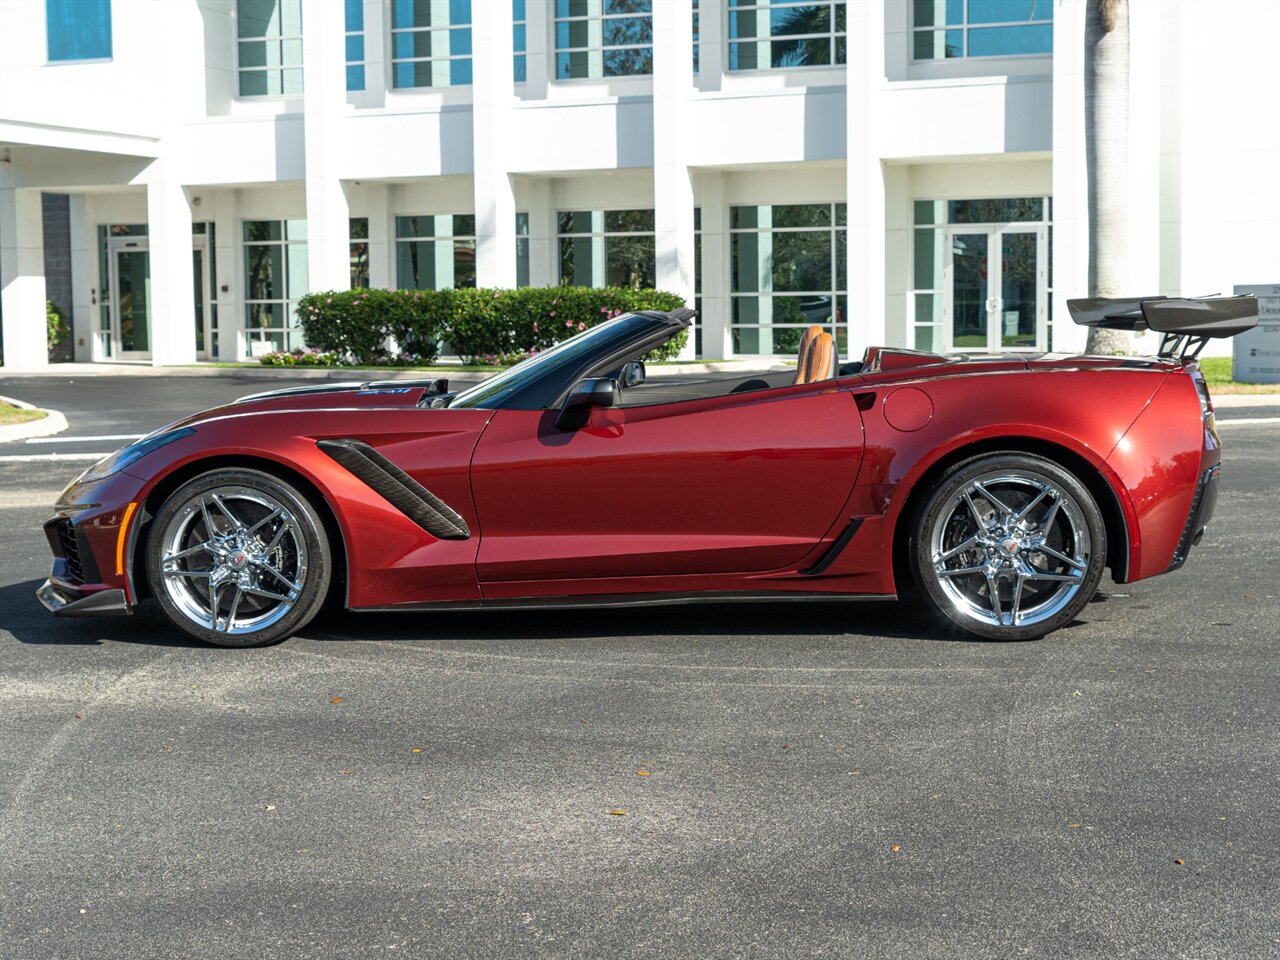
x=627, y=31
x=1009, y=11
x=932, y=13
x=464, y=225
x=928, y=211
x=355, y=14
x=257, y=18
x=628, y=221
x=630, y=261
x=575, y=221
x=938, y=44
x=628, y=6
x=520, y=70
x=573, y=8
x=801, y=261
x=259, y=53
x=572, y=66
x=264, y=272
x=359, y=228
x=262, y=230
x=355, y=78
x=806, y=215
x=1010, y=41
x=355, y=49
x=1015, y=210
x=628, y=63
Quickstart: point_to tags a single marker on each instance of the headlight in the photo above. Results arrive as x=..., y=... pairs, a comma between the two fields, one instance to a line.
x=127, y=455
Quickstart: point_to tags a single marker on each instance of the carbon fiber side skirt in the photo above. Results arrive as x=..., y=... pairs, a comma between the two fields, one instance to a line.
x=398, y=488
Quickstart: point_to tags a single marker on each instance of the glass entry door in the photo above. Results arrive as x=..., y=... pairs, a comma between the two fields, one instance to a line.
x=995, y=290
x=201, y=286
x=130, y=265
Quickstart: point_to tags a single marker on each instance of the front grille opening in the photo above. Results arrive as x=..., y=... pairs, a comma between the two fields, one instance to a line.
x=71, y=551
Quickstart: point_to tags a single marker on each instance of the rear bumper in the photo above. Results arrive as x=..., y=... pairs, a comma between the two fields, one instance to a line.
x=1202, y=507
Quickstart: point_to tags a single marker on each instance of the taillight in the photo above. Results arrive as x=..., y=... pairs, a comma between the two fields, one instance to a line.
x=1206, y=404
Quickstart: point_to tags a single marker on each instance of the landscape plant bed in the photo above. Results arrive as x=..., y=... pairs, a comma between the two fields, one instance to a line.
x=1217, y=373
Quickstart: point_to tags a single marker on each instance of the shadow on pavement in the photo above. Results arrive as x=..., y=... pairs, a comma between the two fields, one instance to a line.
x=22, y=616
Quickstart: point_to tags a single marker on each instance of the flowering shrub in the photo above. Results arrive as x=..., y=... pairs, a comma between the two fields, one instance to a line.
x=480, y=326
x=301, y=358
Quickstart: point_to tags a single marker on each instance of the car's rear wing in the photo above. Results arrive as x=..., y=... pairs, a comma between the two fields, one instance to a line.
x=1187, y=323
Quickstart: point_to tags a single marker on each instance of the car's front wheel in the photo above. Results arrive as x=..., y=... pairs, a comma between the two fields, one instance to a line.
x=239, y=558
x=1009, y=546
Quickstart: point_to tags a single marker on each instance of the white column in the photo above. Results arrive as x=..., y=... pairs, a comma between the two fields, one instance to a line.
x=712, y=55
x=84, y=319
x=492, y=97
x=1070, y=187
x=672, y=184
x=22, y=291
x=544, y=251
x=714, y=319
x=382, y=260
x=540, y=50
x=230, y=280
x=377, y=68
x=324, y=102
x=172, y=303
x=865, y=193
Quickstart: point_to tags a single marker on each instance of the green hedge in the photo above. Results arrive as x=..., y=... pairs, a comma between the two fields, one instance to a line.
x=480, y=326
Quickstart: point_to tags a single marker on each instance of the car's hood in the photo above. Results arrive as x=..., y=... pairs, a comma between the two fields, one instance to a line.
x=346, y=395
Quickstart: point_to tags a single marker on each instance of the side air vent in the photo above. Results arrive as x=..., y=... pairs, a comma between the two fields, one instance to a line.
x=398, y=488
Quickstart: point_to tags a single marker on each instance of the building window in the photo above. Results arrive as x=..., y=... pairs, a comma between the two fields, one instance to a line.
x=78, y=29
x=788, y=267
x=436, y=252
x=275, y=272
x=355, y=44
x=766, y=34
x=949, y=29
x=522, y=249
x=359, y=232
x=603, y=38
x=607, y=248
x=269, y=47
x=430, y=43
x=979, y=239
x=520, y=38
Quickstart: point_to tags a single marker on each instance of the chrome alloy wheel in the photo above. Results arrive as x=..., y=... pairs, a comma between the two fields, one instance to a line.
x=234, y=560
x=1010, y=549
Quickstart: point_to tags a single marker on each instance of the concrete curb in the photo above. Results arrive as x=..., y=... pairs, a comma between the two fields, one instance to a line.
x=53, y=422
x=1244, y=399
x=256, y=371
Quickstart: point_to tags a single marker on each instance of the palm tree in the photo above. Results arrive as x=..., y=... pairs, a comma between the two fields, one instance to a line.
x=1106, y=120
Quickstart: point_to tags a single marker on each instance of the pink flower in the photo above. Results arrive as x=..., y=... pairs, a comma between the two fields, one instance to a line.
x=604, y=309
x=551, y=314
x=569, y=324
x=330, y=300
x=535, y=326
x=582, y=326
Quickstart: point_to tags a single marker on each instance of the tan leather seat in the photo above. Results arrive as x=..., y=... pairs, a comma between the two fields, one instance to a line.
x=805, y=342
x=818, y=360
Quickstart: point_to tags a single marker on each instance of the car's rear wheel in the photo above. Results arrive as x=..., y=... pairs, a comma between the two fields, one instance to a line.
x=239, y=558
x=1009, y=546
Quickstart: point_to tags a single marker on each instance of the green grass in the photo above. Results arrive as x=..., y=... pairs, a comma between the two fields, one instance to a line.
x=9, y=414
x=1217, y=374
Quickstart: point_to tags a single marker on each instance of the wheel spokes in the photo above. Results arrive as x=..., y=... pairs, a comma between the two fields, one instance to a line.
x=1022, y=514
x=1014, y=607
x=187, y=552
x=225, y=511
x=946, y=555
x=1058, y=555
x=992, y=499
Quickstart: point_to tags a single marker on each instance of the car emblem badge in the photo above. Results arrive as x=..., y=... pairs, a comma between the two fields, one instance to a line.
x=1009, y=545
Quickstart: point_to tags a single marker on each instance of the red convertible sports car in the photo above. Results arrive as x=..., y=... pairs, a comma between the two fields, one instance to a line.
x=1001, y=488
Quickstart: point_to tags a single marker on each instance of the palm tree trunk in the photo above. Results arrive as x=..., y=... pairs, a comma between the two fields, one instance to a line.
x=1106, y=119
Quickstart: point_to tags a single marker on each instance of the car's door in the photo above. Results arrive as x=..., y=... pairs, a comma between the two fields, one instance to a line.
x=738, y=483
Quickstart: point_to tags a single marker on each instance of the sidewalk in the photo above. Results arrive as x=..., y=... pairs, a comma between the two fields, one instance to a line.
x=257, y=370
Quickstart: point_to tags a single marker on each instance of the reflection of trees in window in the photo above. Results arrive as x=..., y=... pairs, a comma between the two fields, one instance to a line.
x=781, y=35
x=607, y=247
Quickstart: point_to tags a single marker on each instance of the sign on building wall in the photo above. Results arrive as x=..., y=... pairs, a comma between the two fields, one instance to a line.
x=1256, y=353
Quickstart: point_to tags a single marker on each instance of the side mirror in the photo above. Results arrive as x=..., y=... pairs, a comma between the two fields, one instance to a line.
x=576, y=411
x=632, y=374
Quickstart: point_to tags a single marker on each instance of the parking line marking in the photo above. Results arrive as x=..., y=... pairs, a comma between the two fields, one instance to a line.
x=52, y=457
x=105, y=436
x=1247, y=420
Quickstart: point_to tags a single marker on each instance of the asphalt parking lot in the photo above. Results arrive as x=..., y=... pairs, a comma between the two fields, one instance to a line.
x=836, y=780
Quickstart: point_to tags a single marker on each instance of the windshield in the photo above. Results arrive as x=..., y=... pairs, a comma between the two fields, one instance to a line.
x=490, y=393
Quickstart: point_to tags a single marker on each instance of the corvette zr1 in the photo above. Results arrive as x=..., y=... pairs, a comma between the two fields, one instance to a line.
x=1001, y=488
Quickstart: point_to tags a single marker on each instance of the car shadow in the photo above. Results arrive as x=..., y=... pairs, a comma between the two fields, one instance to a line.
x=22, y=615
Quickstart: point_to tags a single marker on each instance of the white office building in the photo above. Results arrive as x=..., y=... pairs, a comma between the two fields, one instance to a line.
x=909, y=172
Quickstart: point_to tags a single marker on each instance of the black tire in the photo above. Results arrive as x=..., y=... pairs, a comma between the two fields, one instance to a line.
x=1014, y=526
x=267, y=563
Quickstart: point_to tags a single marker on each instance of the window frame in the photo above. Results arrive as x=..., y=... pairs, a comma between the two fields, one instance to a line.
x=603, y=234
x=280, y=39
x=394, y=61
x=284, y=243
x=556, y=50
x=834, y=37
x=452, y=236
x=838, y=324
x=965, y=27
